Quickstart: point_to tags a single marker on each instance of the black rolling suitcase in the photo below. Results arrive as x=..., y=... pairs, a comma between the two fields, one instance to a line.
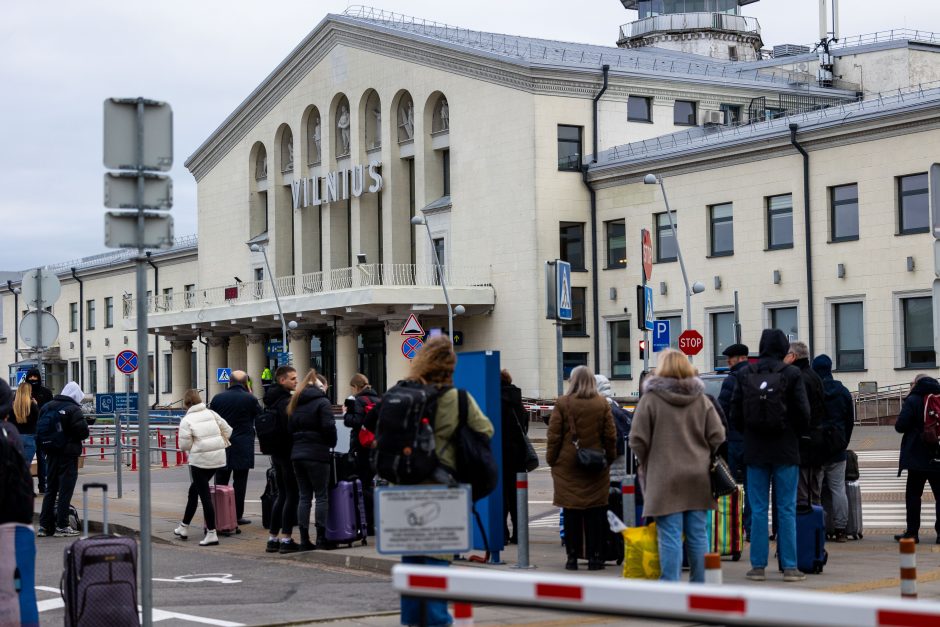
x=99, y=584
x=268, y=497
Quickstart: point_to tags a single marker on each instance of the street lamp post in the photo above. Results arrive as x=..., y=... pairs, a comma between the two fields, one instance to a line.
x=258, y=248
x=697, y=288
x=418, y=221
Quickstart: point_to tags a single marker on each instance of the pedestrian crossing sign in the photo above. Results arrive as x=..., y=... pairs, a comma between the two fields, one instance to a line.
x=563, y=290
x=224, y=375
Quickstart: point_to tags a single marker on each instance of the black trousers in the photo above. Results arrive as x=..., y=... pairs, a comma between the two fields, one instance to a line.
x=222, y=477
x=367, y=477
x=284, y=508
x=916, y=480
x=199, y=489
x=61, y=475
x=509, y=507
x=585, y=532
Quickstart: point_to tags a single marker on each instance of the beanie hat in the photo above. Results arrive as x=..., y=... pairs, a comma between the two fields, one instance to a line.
x=823, y=365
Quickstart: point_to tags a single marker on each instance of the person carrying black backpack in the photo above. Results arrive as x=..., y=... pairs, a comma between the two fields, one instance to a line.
x=61, y=429
x=363, y=401
x=769, y=407
x=918, y=458
x=278, y=444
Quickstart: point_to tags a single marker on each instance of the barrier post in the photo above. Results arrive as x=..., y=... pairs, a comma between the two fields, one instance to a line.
x=713, y=569
x=463, y=615
x=522, y=522
x=179, y=454
x=628, y=493
x=908, y=568
x=133, y=454
x=118, y=455
x=162, y=443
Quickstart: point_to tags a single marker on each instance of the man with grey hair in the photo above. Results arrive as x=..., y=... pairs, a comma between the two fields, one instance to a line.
x=239, y=407
x=809, y=489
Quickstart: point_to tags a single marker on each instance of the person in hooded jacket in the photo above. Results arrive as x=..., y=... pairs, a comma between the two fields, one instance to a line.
x=205, y=436
x=622, y=421
x=840, y=419
x=284, y=509
x=313, y=431
x=62, y=468
x=358, y=406
x=676, y=430
x=239, y=407
x=42, y=395
x=772, y=456
x=921, y=463
x=515, y=426
x=809, y=491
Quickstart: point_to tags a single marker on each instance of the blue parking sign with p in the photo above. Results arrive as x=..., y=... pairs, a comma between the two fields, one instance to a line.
x=660, y=335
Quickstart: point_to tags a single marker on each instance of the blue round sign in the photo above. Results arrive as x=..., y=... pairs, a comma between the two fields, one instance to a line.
x=126, y=361
x=411, y=346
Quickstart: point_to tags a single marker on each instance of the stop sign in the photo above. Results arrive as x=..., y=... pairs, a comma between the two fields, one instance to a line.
x=691, y=342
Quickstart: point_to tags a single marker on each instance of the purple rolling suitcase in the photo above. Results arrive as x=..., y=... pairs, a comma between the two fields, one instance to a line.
x=99, y=584
x=346, y=520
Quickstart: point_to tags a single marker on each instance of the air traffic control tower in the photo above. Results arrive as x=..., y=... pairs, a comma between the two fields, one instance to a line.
x=712, y=28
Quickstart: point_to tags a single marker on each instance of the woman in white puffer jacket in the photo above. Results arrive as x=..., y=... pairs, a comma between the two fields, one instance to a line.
x=204, y=435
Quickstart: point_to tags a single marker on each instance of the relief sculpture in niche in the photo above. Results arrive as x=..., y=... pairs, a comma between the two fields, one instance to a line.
x=342, y=123
x=315, y=157
x=406, y=121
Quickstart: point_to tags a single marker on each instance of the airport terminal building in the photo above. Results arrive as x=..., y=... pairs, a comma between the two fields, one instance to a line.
x=516, y=151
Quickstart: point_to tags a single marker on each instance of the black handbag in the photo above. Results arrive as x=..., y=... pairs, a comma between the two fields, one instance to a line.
x=592, y=460
x=722, y=480
x=531, y=457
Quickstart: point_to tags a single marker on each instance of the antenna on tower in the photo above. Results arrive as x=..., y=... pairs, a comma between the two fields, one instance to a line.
x=826, y=37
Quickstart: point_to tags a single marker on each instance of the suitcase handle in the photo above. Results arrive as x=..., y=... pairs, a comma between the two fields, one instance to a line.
x=104, y=499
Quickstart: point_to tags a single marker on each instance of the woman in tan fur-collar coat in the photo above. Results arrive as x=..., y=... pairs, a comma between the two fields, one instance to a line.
x=675, y=432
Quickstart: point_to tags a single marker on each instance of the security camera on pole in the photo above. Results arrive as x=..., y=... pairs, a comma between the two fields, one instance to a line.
x=138, y=141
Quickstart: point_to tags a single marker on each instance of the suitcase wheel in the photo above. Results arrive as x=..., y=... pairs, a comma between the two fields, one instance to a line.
x=619, y=561
x=365, y=542
x=736, y=556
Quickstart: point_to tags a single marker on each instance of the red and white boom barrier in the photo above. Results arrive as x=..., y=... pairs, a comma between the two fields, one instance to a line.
x=724, y=605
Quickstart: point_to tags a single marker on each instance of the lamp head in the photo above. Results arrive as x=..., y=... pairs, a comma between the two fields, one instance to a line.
x=418, y=220
x=698, y=287
x=650, y=179
x=292, y=325
x=460, y=310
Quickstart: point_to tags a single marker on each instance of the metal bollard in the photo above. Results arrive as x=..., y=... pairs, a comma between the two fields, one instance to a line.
x=628, y=492
x=713, y=569
x=908, y=568
x=522, y=521
x=118, y=456
x=163, y=460
x=133, y=454
x=463, y=615
x=179, y=453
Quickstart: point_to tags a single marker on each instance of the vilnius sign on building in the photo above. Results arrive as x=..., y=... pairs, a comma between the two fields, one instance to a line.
x=319, y=190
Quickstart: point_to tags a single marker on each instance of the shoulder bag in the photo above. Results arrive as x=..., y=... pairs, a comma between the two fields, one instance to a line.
x=531, y=457
x=592, y=460
x=722, y=480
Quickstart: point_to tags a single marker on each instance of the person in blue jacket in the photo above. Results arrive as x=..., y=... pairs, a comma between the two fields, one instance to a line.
x=840, y=419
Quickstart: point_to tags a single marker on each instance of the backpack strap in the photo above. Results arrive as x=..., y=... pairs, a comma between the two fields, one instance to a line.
x=463, y=407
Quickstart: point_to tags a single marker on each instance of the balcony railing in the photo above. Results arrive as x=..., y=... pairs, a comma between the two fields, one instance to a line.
x=366, y=275
x=690, y=22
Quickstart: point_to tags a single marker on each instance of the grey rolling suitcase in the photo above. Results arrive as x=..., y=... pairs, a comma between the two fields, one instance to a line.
x=99, y=584
x=854, y=528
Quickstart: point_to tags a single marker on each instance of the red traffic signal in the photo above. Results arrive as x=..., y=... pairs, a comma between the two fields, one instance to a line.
x=642, y=348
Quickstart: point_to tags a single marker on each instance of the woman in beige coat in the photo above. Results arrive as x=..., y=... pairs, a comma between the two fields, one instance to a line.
x=582, y=494
x=204, y=435
x=675, y=432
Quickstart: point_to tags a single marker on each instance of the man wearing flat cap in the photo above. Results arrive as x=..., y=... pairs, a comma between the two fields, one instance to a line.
x=737, y=359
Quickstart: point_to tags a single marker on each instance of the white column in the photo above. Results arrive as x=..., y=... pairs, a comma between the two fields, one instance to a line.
x=257, y=361
x=347, y=359
x=182, y=370
x=218, y=358
x=299, y=346
x=397, y=365
x=237, y=356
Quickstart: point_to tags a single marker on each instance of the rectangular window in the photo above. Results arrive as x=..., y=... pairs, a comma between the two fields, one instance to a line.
x=684, y=113
x=108, y=312
x=92, y=383
x=189, y=295
x=844, y=216
x=913, y=204
x=732, y=53
x=570, y=361
x=569, y=148
x=441, y=260
x=167, y=373
x=73, y=318
x=572, y=244
x=90, y=315
x=918, y=332
x=639, y=109
x=850, y=336
x=445, y=175
x=75, y=374
x=616, y=243
x=722, y=336
x=194, y=371
x=620, y=349
x=785, y=319
x=150, y=374
x=732, y=114
x=577, y=326
x=110, y=371
x=780, y=221
x=666, y=249
x=721, y=227
x=675, y=330
x=168, y=298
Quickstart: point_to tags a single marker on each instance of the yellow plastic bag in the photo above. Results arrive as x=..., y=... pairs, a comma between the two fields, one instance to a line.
x=641, y=552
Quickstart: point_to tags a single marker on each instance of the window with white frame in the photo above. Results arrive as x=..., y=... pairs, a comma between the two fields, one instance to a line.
x=787, y=320
x=917, y=327
x=722, y=336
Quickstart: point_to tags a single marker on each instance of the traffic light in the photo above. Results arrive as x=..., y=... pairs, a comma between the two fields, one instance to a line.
x=642, y=349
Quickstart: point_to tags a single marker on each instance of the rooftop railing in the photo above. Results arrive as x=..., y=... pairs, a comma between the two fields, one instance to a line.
x=119, y=256
x=897, y=34
x=689, y=21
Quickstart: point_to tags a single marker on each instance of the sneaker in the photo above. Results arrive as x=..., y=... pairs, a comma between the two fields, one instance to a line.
x=244, y=521
x=289, y=547
x=272, y=546
x=840, y=536
x=181, y=531
x=65, y=532
x=906, y=535
x=756, y=574
x=792, y=574
x=42, y=533
x=211, y=539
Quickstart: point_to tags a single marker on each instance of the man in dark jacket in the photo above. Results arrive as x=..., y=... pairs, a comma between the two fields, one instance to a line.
x=41, y=395
x=239, y=408
x=840, y=419
x=515, y=423
x=737, y=359
x=284, y=510
x=62, y=457
x=812, y=458
x=358, y=406
x=770, y=409
x=922, y=464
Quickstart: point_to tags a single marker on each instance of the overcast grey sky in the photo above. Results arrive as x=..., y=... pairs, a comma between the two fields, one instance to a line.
x=204, y=57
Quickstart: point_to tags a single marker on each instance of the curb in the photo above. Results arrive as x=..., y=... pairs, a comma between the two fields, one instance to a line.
x=379, y=565
x=96, y=527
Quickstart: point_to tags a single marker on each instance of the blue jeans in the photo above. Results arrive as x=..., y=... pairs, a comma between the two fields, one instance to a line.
x=785, y=480
x=29, y=447
x=669, y=531
x=437, y=614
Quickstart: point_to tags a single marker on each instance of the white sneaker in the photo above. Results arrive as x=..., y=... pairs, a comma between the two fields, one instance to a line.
x=211, y=539
x=66, y=532
x=182, y=530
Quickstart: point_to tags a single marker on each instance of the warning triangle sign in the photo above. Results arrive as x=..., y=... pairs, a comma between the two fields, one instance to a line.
x=412, y=327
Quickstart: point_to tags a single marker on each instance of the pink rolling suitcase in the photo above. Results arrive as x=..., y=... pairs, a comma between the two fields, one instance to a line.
x=223, y=502
x=346, y=519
